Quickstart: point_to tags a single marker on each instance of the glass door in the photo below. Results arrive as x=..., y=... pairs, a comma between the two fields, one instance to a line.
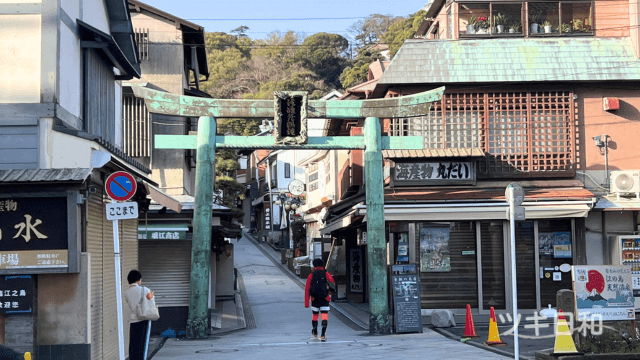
x=554, y=250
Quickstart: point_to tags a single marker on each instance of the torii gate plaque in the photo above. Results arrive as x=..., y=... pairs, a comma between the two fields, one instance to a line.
x=291, y=125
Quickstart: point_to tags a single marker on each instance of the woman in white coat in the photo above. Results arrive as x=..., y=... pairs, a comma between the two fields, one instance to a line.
x=137, y=327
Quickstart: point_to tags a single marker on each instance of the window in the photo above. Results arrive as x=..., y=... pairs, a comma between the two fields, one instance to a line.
x=313, y=177
x=564, y=18
x=142, y=41
x=136, y=129
x=287, y=170
x=523, y=132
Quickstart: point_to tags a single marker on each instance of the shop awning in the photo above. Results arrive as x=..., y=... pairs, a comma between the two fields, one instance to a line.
x=612, y=203
x=164, y=231
x=479, y=211
x=258, y=200
x=163, y=198
x=339, y=223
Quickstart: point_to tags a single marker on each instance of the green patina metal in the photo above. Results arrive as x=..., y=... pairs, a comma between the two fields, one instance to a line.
x=159, y=102
x=258, y=142
x=201, y=244
x=207, y=141
x=376, y=244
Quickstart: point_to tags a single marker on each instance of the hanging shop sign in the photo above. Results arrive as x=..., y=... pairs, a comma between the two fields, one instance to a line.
x=356, y=281
x=603, y=292
x=163, y=232
x=433, y=173
x=36, y=234
x=290, y=117
x=16, y=294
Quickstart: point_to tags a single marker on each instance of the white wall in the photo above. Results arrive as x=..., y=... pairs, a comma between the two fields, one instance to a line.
x=70, y=72
x=118, y=116
x=74, y=153
x=72, y=8
x=286, y=156
x=94, y=13
x=20, y=58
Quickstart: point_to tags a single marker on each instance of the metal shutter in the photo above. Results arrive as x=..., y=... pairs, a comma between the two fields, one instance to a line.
x=94, y=246
x=129, y=261
x=166, y=269
x=109, y=314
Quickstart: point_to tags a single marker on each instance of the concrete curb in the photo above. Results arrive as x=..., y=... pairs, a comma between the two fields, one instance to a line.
x=480, y=346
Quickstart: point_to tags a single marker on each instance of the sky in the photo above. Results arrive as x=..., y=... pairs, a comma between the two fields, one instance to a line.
x=263, y=17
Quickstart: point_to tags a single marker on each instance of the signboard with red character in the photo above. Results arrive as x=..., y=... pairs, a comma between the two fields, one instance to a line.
x=603, y=292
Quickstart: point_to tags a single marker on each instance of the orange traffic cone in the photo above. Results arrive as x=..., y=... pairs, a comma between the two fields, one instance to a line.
x=469, y=328
x=564, y=341
x=494, y=336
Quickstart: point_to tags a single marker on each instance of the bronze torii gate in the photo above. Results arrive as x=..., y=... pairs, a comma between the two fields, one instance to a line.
x=291, y=110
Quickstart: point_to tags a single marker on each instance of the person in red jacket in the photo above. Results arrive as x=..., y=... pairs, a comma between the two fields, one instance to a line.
x=320, y=286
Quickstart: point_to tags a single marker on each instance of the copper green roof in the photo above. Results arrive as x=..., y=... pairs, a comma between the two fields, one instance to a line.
x=512, y=60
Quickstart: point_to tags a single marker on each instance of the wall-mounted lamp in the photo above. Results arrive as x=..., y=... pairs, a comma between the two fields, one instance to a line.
x=601, y=143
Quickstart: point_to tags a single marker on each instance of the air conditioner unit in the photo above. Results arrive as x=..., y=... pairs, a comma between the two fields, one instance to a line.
x=625, y=182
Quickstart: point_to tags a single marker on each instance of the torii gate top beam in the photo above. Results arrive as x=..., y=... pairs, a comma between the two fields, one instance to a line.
x=159, y=102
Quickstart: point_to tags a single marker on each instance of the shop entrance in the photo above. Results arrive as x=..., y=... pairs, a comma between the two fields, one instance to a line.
x=543, y=258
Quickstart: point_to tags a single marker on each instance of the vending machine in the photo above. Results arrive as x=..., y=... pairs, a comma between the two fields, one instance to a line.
x=626, y=251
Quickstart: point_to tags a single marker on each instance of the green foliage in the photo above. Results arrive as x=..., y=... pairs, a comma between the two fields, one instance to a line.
x=299, y=233
x=227, y=161
x=324, y=55
x=369, y=31
x=401, y=31
x=243, y=127
x=226, y=55
x=359, y=70
x=618, y=337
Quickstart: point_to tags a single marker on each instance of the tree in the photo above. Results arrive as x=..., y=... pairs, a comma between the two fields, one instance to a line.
x=226, y=165
x=401, y=31
x=369, y=31
x=324, y=55
x=239, y=126
x=358, y=72
x=226, y=56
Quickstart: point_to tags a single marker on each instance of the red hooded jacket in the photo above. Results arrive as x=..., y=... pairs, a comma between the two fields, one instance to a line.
x=306, y=288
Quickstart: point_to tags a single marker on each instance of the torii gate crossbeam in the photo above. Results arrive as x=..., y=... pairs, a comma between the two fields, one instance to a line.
x=206, y=142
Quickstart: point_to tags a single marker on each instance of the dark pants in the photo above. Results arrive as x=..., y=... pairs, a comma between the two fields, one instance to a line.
x=137, y=337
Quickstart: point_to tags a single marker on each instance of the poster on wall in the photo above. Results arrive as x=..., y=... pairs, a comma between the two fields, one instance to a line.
x=562, y=244
x=356, y=282
x=545, y=243
x=604, y=292
x=403, y=248
x=434, y=250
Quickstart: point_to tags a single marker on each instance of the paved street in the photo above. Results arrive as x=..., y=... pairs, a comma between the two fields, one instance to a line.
x=284, y=327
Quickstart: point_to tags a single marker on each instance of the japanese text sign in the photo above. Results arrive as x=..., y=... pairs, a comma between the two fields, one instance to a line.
x=125, y=210
x=433, y=172
x=603, y=292
x=16, y=294
x=33, y=233
x=290, y=117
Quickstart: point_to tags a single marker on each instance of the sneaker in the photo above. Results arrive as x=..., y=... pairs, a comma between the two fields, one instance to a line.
x=322, y=338
x=314, y=332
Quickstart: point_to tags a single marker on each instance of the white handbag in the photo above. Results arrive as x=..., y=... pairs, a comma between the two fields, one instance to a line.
x=146, y=309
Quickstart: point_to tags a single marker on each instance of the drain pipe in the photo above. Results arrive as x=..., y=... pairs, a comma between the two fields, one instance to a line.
x=606, y=162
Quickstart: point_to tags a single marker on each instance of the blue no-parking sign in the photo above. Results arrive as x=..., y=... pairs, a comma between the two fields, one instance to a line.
x=120, y=186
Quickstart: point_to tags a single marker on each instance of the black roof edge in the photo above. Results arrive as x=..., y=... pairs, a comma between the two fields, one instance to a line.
x=111, y=49
x=109, y=146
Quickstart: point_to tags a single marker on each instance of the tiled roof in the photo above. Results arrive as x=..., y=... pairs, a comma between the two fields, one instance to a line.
x=512, y=60
x=432, y=153
x=400, y=194
x=44, y=175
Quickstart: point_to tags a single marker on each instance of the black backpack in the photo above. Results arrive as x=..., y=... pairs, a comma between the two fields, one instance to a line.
x=318, y=288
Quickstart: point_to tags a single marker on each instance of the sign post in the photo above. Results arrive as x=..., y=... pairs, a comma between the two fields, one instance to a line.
x=120, y=186
x=515, y=197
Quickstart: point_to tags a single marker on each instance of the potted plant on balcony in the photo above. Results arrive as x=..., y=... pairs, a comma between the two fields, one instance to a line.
x=499, y=20
x=483, y=25
x=566, y=28
x=578, y=25
x=534, y=18
x=472, y=21
x=515, y=27
x=547, y=27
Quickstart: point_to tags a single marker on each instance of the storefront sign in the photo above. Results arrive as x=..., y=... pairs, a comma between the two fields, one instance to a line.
x=603, y=292
x=356, y=282
x=406, y=301
x=434, y=250
x=16, y=294
x=361, y=237
x=433, y=172
x=33, y=233
x=267, y=219
x=403, y=248
x=290, y=117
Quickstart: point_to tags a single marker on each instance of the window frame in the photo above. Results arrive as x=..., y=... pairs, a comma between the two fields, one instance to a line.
x=526, y=30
